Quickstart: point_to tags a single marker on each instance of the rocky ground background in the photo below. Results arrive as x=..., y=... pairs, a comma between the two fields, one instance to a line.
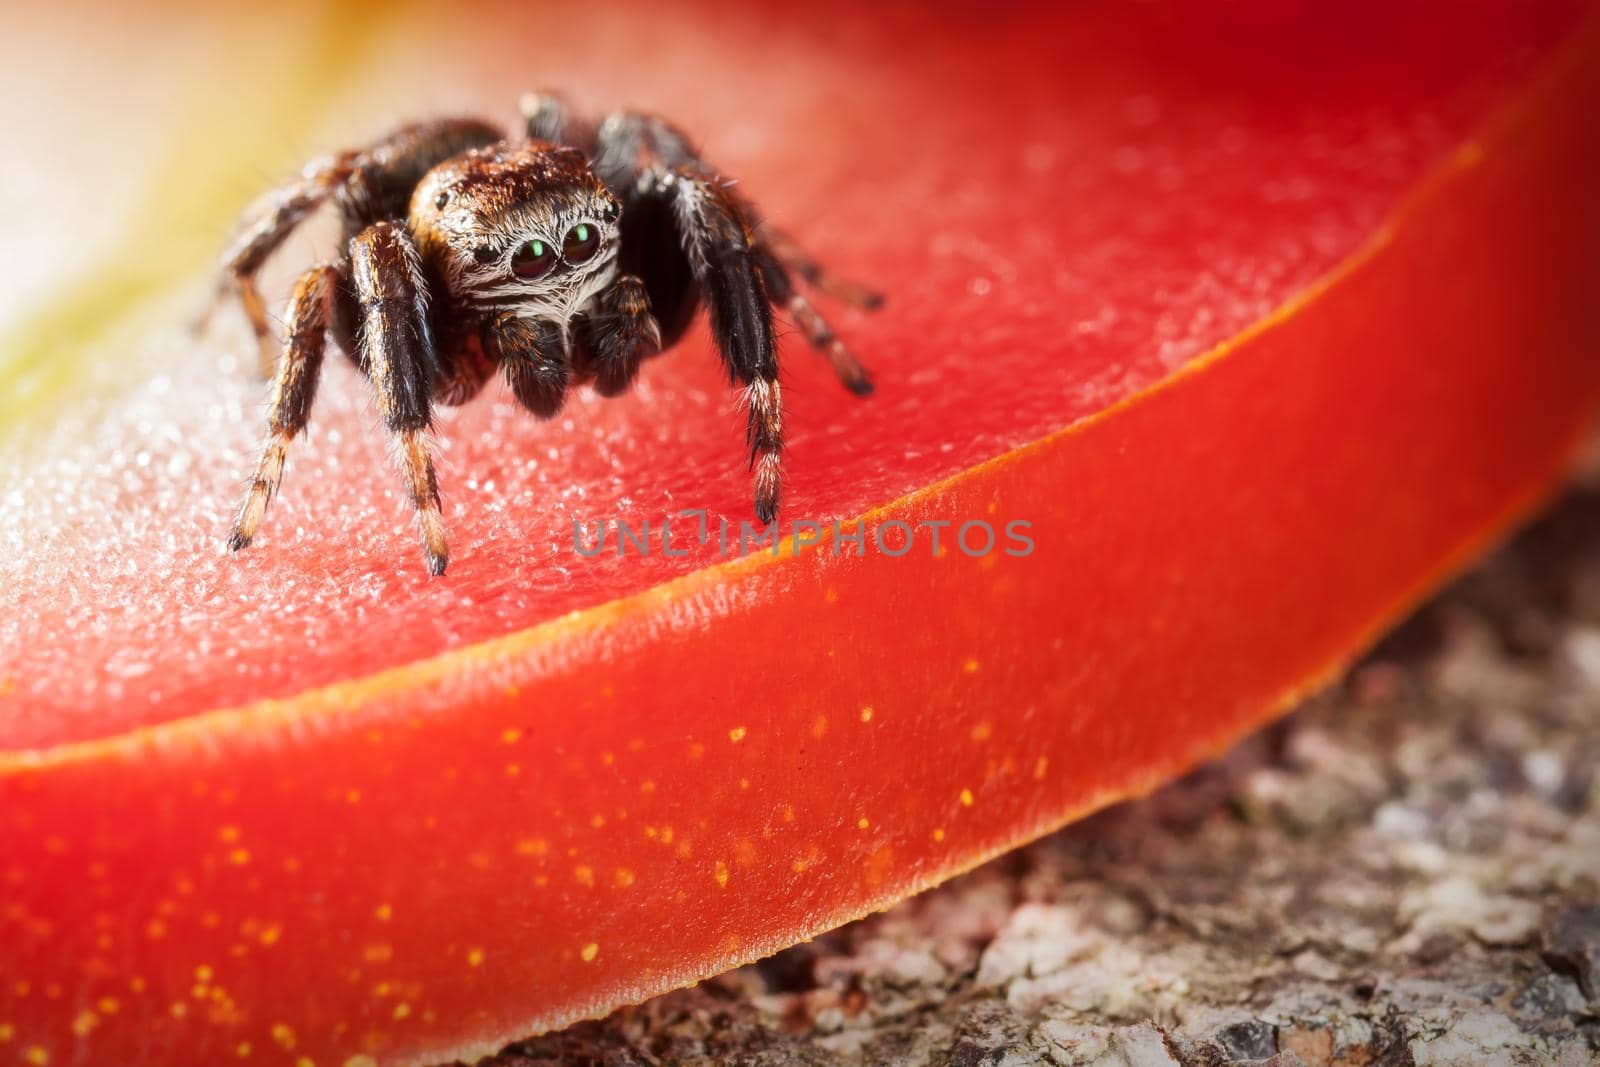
x=1404, y=871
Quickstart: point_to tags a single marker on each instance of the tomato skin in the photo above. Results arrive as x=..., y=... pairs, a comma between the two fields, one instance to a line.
x=426, y=861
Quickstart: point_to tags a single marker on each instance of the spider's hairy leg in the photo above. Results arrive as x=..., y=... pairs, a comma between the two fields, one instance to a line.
x=716, y=242
x=620, y=333
x=547, y=116
x=796, y=260
x=533, y=356
x=397, y=354
x=293, y=390
x=261, y=236
x=846, y=367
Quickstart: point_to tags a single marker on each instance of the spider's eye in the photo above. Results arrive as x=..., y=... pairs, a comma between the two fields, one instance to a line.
x=581, y=243
x=533, y=260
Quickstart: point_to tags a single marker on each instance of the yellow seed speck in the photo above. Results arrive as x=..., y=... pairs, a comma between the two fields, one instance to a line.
x=361, y=1061
x=737, y=734
x=744, y=783
x=938, y=833
x=7, y=1032
x=533, y=846
x=474, y=957
x=696, y=749
x=583, y=874
x=597, y=820
x=203, y=973
x=401, y=1010
x=379, y=953
x=721, y=873
x=270, y=934
x=590, y=951
x=982, y=732
x=85, y=1022
x=647, y=786
x=107, y=1005
x=383, y=913
x=513, y=769
x=866, y=714
x=511, y=735
x=1040, y=765
x=239, y=857
x=36, y=1056
x=243, y=1049
x=862, y=823
x=624, y=878
x=228, y=834
x=819, y=727
x=283, y=1034
x=966, y=798
x=305, y=1061
x=178, y=1009
x=666, y=835
x=971, y=666
x=137, y=984
x=608, y=758
x=352, y=796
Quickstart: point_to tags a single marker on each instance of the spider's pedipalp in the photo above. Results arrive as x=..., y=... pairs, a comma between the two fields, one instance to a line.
x=533, y=356
x=293, y=391
x=620, y=334
x=397, y=353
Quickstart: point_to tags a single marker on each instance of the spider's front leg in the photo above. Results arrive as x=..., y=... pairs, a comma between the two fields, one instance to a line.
x=619, y=334
x=287, y=208
x=293, y=390
x=717, y=242
x=397, y=353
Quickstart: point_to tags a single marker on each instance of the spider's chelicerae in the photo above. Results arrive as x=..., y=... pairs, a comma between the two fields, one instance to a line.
x=563, y=257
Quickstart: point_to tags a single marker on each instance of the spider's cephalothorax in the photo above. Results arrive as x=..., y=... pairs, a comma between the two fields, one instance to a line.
x=563, y=257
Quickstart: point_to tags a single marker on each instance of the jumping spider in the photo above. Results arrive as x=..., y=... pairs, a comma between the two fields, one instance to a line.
x=563, y=257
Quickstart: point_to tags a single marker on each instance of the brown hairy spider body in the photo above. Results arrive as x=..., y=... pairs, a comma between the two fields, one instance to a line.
x=562, y=258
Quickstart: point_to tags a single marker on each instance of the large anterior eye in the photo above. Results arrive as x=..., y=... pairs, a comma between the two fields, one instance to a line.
x=533, y=260
x=581, y=243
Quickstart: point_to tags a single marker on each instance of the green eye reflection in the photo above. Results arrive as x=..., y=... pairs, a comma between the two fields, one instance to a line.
x=533, y=260
x=581, y=243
